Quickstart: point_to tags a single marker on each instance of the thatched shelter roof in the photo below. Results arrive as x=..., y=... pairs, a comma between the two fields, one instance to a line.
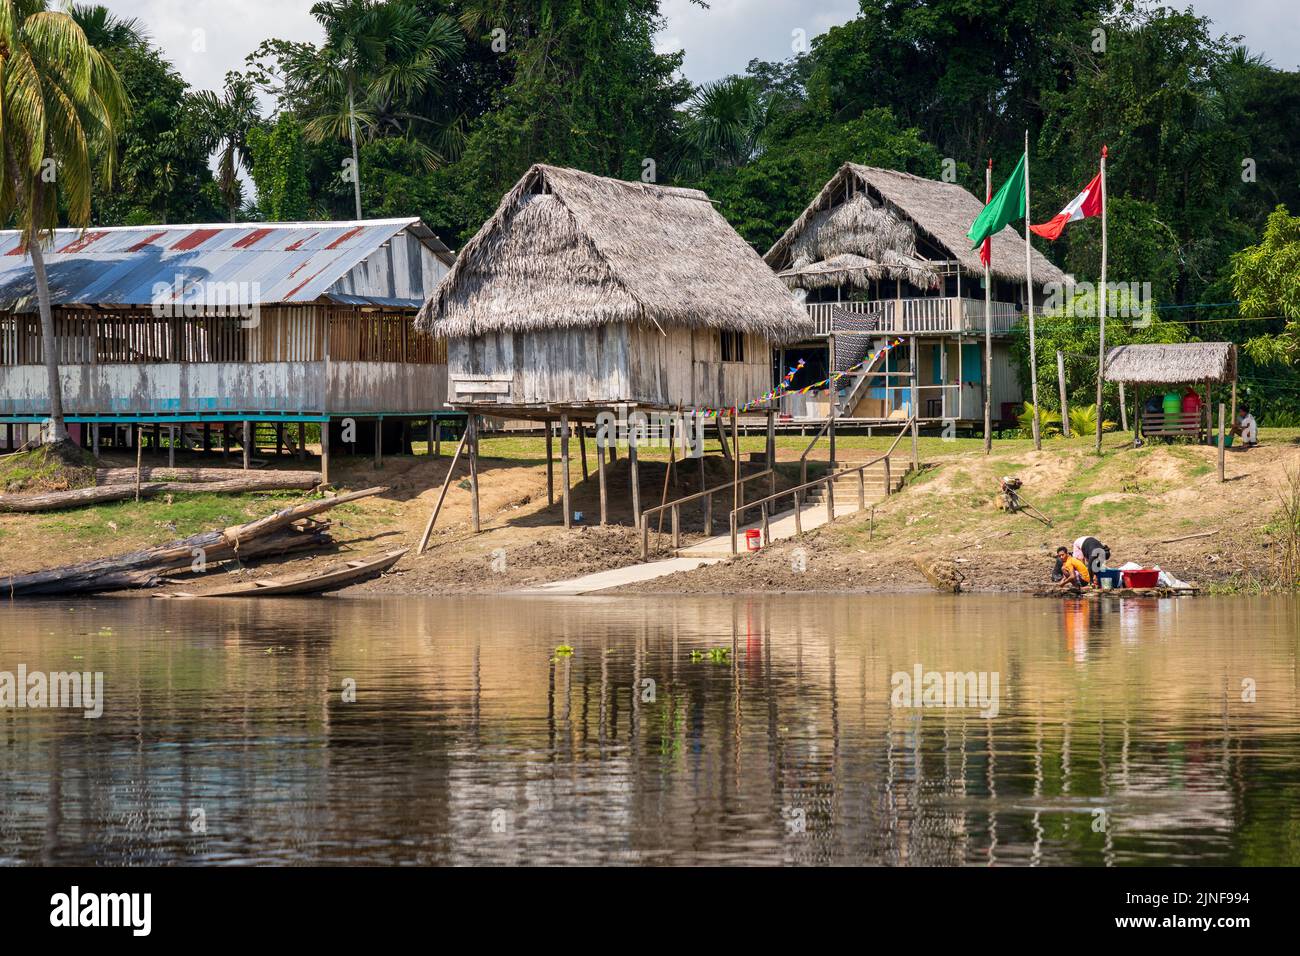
x=942, y=212
x=858, y=272
x=567, y=248
x=1178, y=364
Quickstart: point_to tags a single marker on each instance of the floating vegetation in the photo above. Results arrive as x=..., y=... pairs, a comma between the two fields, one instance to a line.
x=716, y=655
x=562, y=650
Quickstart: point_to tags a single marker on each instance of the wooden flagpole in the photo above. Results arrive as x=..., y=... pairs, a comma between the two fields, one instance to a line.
x=988, y=326
x=1029, y=305
x=1101, y=303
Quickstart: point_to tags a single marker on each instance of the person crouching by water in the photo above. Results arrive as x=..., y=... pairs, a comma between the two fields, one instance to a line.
x=1093, y=554
x=1074, y=573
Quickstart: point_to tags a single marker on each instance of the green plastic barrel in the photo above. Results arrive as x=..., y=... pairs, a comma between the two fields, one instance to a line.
x=1173, y=407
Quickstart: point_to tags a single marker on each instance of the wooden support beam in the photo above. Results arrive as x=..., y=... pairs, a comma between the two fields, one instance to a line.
x=302, y=440
x=564, y=470
x=379, y=444
x=600, y=476
x=771, y=450
x=225, y=441
x=1221, y=441
x=550, y=465
x=171, y=446
x=94, y=439
x=1123, y=409
x=325, y=453
x=446, y=482
x=435, y=436
x=471, y=426
x=582, y=449
x=279, y=439
x=207, y=437
x=1060, y=385
x=634, y=477
x=248, y=442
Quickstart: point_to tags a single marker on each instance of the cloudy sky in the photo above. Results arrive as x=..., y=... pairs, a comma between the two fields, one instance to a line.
x=205, y=38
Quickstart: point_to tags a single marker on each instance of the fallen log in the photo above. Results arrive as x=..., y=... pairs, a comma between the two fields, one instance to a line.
x=76, y=498
x=118, y=476
x=140, y=568
x=81, y=497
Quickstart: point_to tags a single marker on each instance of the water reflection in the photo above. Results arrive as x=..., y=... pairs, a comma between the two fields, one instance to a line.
x=685, y=730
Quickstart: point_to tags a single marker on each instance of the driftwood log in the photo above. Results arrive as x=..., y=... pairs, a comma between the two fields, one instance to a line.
x=120, y=491
x=118, y=476
x=141, y=568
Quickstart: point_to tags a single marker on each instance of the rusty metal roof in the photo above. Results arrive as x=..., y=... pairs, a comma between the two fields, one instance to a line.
x=247, y=263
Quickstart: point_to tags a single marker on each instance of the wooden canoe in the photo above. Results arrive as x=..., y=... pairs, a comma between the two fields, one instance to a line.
x=313, y=582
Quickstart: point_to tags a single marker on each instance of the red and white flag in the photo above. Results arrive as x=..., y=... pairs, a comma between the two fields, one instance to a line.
x=986, y=247
x=1087, y=203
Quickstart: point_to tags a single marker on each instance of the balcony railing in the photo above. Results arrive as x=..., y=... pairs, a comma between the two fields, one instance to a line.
x=949, y=315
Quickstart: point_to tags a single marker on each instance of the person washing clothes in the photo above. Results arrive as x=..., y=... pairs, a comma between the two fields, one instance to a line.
x=1074, y=572
x=1245, y=428
x=1094, y=556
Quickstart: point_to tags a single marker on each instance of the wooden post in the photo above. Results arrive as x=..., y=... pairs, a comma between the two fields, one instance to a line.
x=446, y=482
x=472, y=430
x=1029, y=307
x=830, y=433
x=171, y=446
x=582, y=449
x=600, y=477
x=722, y=436
x=771, y=451
x=302, y=440
x=1232, y=408
x=139, y=451
x=987, y=378
x=94, y=439
x=225, y=441
x=279, y=439
x=916, y=453
x=550, y=464
x=325, y=453
x=9, y=437
x=379, y=444
x=634, y=476
x=564, y=470
x=1060, y=384
x=1221, y=441
x=157, y=438
x=248, y=441
x=1137, y=414
x=1101, y=302
x=435, y=436
x=1123, y=409
x=737, y=489
x=207, y=438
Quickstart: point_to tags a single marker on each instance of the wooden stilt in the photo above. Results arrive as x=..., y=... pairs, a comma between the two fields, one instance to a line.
x=582, y=449
x=325, y=453
x=550, y=465
x=564, y=471
x=139, y=451
x=94, y=439
x=379, y=444
x=771, y=450
x=302, y=440
x=1123, y=409
x=722, y=437
x=446, y=482
x=634, y=477
x=207, y=438
x=248, y=442
x=171, y=446
x=600, y=476
x=737, y=491
x=157, y=439
x=471, y=427
x=279, y=439
x=225, y=441
x=1137, y=414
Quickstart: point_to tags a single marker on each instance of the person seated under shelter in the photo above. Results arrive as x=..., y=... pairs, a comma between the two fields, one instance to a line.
x=1245, y=428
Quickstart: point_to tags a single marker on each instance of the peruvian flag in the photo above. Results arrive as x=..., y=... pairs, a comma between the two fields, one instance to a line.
x=1087, y=203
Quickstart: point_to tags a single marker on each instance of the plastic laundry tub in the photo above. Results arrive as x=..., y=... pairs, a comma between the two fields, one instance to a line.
x=1146, y=578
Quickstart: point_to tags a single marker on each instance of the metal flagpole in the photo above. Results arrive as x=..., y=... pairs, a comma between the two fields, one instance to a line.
x=988, y=325
x=1101, y=303
x=1029, y=304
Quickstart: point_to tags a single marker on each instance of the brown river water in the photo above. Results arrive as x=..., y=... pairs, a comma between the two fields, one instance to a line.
x=680, y=730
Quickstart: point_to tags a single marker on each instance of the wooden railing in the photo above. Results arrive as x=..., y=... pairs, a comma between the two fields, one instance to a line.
x=675, y=508
x=826, y=481
x=947, y=314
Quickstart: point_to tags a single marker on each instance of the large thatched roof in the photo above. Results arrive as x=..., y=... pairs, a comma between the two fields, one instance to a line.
x=943, y=212
x=567, y=248
x=1179, y=364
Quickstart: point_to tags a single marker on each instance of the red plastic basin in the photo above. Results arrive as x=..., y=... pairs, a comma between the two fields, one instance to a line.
x=1145, y=578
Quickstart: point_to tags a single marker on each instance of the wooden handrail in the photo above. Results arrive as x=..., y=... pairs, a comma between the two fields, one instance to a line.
x=675, y=507
x=829, y=482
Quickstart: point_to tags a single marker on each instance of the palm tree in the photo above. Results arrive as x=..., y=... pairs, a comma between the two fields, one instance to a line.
x=226, y=121
x=724, y=123
x=105, y=30
x=377, y=58
x=61, y=107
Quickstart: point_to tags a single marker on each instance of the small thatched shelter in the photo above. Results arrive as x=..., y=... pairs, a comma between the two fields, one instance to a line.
x=1163, y=366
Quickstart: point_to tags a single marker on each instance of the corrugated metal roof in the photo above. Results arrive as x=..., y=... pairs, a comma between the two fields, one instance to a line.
x=234, y=264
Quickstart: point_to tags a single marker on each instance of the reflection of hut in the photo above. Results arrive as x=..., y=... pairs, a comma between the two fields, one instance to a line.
x=584, y=295
x=1167, y=368
x=881, y=254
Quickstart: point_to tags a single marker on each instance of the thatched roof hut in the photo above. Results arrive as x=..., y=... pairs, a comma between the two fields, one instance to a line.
x=569, y=249
x=1182, y=363
x=868, y=211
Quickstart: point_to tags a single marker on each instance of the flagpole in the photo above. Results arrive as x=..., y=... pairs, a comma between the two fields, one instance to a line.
x=988, y=326
x=1029, y=304
x=1101, y=304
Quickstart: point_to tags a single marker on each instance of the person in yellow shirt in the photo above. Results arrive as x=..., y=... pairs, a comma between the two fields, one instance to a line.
x=1074, y=573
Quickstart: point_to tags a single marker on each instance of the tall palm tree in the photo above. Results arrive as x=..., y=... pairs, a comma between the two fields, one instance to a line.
x=61, y=106
x=378, y=57
x=723, y=125
x=105, y=30
x=226, y=120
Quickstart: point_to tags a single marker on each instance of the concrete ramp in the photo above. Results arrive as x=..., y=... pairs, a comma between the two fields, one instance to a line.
x=632, y=574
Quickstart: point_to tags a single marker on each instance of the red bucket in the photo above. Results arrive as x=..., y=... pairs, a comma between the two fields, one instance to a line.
x=1146, y=578
x=753, y=539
